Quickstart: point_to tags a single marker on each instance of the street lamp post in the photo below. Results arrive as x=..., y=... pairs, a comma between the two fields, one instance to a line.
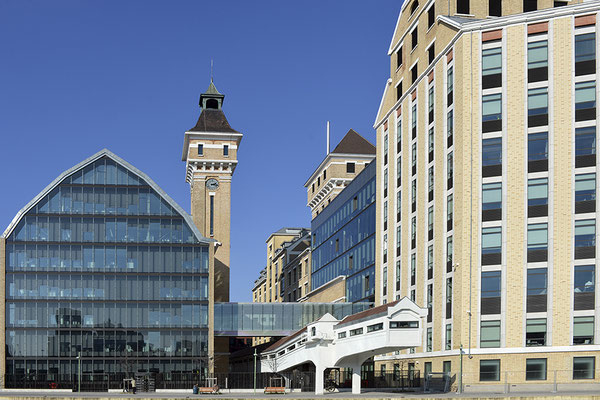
x=255, y=370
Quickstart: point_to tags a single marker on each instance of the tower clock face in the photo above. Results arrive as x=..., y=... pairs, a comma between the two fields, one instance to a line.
x=212, y=184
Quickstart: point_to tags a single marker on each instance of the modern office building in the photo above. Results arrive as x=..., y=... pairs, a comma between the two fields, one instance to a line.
x=343, y=242
x=103, y=265
x=487, y=179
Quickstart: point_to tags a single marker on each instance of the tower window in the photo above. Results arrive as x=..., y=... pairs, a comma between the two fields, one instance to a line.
x=350, y=167
x=399, y=56
x=226, y=150
x=414, y=37
x=200, y=149
x=462, y=7
x=212, y=215
x=212, y=104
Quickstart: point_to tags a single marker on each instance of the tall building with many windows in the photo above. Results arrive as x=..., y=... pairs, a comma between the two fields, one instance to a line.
x=104, y=269
x=487, y=142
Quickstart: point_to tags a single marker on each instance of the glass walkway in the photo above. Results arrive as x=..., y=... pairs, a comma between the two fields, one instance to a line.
x=275, y=319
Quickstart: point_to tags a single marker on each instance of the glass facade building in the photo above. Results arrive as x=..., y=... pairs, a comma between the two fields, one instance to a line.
x=103, y=264
x=343, y=239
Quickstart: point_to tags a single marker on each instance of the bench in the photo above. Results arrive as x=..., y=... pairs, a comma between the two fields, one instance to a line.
x=209, y=390
x=275, y=390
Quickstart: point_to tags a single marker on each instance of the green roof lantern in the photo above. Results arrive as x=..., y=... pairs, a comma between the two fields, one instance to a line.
x=211, y=99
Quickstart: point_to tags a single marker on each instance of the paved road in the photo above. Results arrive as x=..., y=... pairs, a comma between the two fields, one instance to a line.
x=260, y=395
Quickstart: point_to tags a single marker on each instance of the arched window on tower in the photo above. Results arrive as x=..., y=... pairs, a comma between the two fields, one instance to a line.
x=212, y=103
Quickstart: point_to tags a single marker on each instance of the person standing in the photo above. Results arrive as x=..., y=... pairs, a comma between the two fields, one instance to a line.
x=133, y=385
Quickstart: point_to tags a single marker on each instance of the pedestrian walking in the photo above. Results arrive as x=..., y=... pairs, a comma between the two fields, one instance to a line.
x=133, y=385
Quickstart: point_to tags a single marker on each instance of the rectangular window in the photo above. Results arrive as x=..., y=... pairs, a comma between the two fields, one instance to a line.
x=431, y=103
x=450, y=170
x=529, y=5
x=399, y=56
x=583, y=330
x=537, y=289
x=450, y=132
x=357, y=331
x=404, y=324
x=491, y=292
x=495, y=8
x=414, y=73
x=490, y=334
x=430, y=183
x=537, y=107
x=448, y=339
x=414, y=158
x=450, y=212
x=413, y=269
x=431, y=143
x=492, y=112
x=385, y=182
x=537, y=152
x=385, y=149
x=585, y=101
x=585, y=54
x=414, y=37
x=584, y=287
x=430, y=223
x=489, y=370
x=462, y=7
x=350, y=167
x=449, y=254
x=448, y=298
x=585, y=193
x=536, y=332
x=585, y=147
x=429, y=345
x=431, y=16
x=584, y=367
x=535, y=369
x=399, y=90
x=537, y=61
x=585, y=238
x=491, y=245
x=398, y=206
x=491, y=74
x=399, y=135
x=226, y=150
x=450, y=86
x=537, y=197
x=375, y=327
x=413, y=232
x=491, y=157
x=491, y=201
x=537, y=242
x=341, y=335
x=414, y=121
x=413, y=194
x=200, y=149
x=431, y=52
x=398, y=276
x=385, y=247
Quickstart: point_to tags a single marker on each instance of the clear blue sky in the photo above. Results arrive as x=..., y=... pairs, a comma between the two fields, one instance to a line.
x=78, y=76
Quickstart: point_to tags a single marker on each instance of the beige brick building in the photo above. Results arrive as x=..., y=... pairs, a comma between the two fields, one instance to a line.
x=486, y=140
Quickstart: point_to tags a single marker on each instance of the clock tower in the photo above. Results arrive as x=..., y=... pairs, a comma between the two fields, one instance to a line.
x=210, y=152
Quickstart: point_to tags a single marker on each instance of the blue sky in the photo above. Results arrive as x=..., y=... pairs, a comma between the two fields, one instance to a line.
x=78, y=76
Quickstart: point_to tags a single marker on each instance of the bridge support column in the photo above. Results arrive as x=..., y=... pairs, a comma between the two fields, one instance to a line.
x=319, y=380
x=356, y=378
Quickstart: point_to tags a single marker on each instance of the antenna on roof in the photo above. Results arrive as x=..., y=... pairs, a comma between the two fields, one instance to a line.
x=328, y=137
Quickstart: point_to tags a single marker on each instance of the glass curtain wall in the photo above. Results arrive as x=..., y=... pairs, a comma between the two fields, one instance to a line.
x=104, y=267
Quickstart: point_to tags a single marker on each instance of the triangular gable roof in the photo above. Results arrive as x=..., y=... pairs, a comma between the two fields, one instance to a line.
x=119, y=160
x=353, y=143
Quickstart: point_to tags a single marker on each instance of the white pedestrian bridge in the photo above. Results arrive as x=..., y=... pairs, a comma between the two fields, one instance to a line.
x=348, y=343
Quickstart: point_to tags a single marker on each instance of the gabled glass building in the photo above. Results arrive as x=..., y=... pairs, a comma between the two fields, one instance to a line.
x=104, y=265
